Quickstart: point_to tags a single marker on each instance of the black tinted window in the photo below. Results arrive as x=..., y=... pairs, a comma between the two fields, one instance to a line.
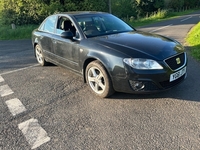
x=97, y=25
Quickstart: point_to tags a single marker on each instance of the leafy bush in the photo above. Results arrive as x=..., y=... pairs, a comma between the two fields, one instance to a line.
x=23, y=12
x=160, y=14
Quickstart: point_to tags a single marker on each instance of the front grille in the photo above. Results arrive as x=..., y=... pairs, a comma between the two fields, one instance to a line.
x=167, y=84
x=177, y=61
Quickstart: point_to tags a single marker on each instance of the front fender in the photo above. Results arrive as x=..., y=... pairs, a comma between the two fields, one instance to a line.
x=113, y=64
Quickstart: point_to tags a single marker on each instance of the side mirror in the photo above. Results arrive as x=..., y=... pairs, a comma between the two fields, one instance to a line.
x=67, y=35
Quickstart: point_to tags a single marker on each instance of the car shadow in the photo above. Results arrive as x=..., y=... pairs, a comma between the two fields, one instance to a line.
x=180, y=92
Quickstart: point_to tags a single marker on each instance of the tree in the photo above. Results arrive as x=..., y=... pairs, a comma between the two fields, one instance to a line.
x=91, y=5
x=34, y=11
x=148, y=6
x=191, y=4
x=123, y=8
x=159, y=4
x=176, y=4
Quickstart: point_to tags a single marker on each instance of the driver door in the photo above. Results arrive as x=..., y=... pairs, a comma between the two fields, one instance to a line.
x=66, y=50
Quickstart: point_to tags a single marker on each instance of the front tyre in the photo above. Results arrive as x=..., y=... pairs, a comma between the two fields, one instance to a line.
x=98, y=79
x=39, y=55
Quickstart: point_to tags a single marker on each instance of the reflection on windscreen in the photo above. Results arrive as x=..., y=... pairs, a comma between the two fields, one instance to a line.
x=97, y=25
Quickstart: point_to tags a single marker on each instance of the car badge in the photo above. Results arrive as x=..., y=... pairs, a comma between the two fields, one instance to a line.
x=178, y=61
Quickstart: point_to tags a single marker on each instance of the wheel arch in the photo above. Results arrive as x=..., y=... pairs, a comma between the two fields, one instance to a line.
x=35, y=42
x=87, y=61
x=91, y=59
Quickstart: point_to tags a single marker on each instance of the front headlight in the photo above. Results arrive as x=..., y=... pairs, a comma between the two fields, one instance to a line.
x=144, y=64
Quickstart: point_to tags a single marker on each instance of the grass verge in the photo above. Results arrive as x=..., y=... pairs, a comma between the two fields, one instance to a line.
x=21, y=32
x=161, y=15
x=193, y=41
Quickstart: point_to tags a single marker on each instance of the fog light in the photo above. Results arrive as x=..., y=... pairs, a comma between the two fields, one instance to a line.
x=137, y=85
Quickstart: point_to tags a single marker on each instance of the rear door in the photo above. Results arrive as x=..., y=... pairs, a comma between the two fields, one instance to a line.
x=46, y=38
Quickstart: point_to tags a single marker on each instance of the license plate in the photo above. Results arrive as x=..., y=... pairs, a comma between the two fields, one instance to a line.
x=177, y=74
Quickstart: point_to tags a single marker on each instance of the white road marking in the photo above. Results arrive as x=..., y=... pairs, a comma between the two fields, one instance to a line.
x=161, y=28
x=5, y=90
x=19, y=69
x=186, y=19
x=1, y=79
x=34, y=133
x=15, y=106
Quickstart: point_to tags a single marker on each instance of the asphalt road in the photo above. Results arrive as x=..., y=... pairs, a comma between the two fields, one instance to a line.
x=51, y=108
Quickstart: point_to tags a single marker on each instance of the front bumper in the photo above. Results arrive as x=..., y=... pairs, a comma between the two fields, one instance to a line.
x=141, y=81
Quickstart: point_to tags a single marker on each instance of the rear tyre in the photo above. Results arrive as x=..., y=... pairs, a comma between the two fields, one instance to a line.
x=39, y=56
x=98, y=79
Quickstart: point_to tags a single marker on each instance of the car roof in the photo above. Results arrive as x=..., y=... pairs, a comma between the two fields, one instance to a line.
x=75, y=13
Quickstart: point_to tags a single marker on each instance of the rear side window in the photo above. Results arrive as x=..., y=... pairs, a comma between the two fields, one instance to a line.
x=49, y=24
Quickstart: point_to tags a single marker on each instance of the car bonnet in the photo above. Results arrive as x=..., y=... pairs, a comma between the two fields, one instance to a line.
x=142, y=44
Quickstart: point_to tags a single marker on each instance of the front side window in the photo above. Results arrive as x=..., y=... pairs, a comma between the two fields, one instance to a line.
x=65, y=24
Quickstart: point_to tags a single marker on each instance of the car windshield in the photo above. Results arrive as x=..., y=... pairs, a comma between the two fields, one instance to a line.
x=98, y=25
